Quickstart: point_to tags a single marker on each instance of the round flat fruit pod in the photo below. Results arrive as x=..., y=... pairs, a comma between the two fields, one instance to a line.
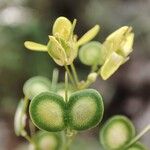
x=20, y=117
x=35, y=86
x=85, y=109
x=48, y=141
x=137, y=146
x=116, y=133
x=47, y=111
x=90, y=53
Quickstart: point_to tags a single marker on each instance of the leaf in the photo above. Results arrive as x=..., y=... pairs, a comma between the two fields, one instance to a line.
x=35, y=46
x=88, y=36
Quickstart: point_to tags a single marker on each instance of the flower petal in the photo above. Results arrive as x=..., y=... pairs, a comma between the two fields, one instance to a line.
x=88, y=36
x=35, y=46
x=111, y=65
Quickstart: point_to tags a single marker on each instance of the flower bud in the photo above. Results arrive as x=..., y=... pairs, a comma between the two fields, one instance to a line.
x=92, y=77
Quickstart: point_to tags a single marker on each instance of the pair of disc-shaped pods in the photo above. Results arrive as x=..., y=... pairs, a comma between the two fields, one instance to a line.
x=83, y=110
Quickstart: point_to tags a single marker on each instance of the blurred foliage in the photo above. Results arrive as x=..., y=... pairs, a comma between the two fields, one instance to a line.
x=25, y=19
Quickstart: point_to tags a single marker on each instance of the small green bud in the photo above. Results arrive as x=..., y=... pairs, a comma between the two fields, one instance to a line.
x=35, y=86
x=116, y=133
x=137, y=146
x=48, y=141
x=88, y=36
x=92, y=77
x=85, y=109
x=91, y=54
x=112, y=63
x=20, y=119
x=62, y=28
x=47, y=112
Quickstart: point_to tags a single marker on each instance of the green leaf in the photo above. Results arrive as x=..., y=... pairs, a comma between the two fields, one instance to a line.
x=62, y=28
x=35, y=46
x=88, y=36
x=116, y=133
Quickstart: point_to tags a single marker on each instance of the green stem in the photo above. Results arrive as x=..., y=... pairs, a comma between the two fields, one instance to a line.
x=136, y=138
x=70, y=76
x=75, y=73
x=54, y=79
x=66, y=87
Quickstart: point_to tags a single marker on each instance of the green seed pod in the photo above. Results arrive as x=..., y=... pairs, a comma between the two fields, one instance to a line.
x=116, y=133
x=36, y=85
x=48, y=141
x=19, y=120
x=62, y=28
x=91, y=53
x=137, y=146
x=47, y=111
x=85, y=109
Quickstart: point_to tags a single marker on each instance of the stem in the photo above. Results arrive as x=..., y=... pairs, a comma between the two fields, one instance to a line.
x=54, y=79
x=70, y=75
x=66, y=87
x=75, y=73
x=136, y=138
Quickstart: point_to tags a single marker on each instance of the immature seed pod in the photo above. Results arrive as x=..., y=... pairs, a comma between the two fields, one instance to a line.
x=47, y=112
x=48, y=141
x=36, y=85
x=137, y=146
x=62, y=28
x=116, y=133
x=19, y=120
x=85, y=109
x=91, y=53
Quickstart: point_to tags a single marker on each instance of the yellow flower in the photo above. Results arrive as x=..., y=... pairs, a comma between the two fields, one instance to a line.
x=63, y=45
x=118, y=46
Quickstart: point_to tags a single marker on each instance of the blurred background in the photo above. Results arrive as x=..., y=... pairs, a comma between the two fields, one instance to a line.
x=126, y=92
